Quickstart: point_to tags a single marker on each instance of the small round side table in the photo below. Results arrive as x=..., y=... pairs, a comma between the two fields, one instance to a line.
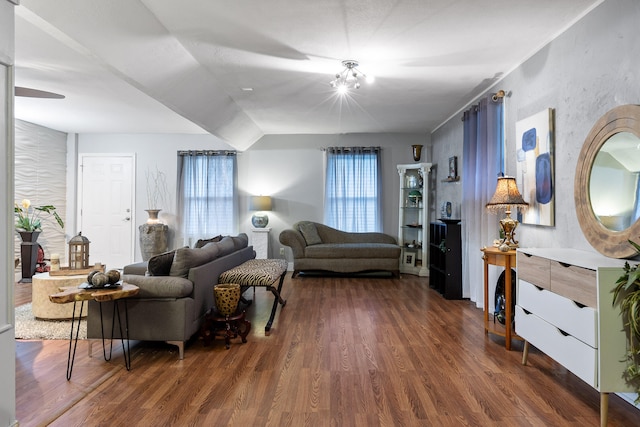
x=217, y=325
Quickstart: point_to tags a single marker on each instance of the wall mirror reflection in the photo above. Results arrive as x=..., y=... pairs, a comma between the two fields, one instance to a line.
x=613, y=184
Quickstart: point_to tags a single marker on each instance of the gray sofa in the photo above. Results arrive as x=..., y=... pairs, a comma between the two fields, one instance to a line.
x=317, y=247
x=172, y=303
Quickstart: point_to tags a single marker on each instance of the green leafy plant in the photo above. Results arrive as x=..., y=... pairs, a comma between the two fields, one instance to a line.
x=443, y=246
x=626, y=293
x=28, y=217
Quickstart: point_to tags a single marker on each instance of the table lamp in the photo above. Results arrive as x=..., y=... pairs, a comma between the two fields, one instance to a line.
x=260, y=204
x=506, y=196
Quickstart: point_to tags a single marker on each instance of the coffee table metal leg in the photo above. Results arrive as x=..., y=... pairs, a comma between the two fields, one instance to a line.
x=126, y=350
x=104, y=347
x=73, y=342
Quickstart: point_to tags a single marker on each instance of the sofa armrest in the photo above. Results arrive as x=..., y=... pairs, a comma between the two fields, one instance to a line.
x=295, y=241
x=160, y=286
x=139, y=268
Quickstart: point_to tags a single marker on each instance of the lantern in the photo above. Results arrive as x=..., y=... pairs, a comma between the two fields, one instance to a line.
x=79, y=252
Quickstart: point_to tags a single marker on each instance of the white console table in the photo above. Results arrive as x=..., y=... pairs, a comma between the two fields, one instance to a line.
x=260, y=242
x=564, y=308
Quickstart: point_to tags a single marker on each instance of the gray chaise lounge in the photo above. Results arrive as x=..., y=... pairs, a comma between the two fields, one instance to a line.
x=317, y=247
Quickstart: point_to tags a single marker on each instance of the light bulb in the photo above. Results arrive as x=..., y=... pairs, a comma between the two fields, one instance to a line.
x=370, y=79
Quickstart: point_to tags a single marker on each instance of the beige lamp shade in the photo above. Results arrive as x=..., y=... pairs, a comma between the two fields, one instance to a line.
x=506, y=196
x=260, y=204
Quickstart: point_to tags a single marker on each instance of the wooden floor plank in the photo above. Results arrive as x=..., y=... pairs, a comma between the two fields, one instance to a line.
x=344, y=351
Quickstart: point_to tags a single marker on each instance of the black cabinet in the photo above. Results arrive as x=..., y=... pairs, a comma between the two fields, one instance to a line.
x=445, y=258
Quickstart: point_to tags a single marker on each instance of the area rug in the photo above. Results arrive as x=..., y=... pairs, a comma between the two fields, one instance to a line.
x=30, y=328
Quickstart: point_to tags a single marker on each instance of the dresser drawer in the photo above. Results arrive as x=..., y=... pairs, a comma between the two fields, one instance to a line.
x=575, y=283
x=570, y=352
x=561, y=312
x=533, y=269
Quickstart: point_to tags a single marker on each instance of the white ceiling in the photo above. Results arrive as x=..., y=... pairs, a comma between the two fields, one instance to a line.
x=164, y=66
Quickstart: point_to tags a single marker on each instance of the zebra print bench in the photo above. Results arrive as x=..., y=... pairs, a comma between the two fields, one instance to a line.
x=260, y=272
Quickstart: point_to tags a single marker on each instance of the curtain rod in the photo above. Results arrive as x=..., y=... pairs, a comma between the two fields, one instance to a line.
x=352, y=148
x=206, y=153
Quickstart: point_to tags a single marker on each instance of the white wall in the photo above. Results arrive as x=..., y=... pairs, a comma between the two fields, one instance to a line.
x=152, y=151
x=40, y=176
x=582, y=74
x=7, y=335
x=290, y=168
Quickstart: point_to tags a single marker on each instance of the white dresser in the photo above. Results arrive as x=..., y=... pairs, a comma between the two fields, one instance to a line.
x=564, y=308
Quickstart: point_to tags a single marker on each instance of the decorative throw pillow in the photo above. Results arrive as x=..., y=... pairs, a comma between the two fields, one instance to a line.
x=310, y=233
x=160, y=265
x=187, y=258
x=201, y=242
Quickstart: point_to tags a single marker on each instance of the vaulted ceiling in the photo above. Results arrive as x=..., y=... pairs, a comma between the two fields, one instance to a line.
x=244, y=68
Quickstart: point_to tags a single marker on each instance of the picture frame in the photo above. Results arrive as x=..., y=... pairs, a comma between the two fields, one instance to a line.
x=453, y=167
x=409, y=259
x=535, y=146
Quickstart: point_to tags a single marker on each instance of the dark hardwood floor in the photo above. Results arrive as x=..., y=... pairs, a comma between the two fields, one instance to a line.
x=342, y=352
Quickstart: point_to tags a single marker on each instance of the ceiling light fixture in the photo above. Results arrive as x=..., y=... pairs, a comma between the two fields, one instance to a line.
x=349, y=77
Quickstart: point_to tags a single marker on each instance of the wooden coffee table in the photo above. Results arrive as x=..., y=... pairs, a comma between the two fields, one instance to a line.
x=73, y=294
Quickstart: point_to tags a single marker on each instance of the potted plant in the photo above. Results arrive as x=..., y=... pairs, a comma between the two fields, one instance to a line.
x=626, y=294
x=156, y=193
x=29, y=217
x=29, y=226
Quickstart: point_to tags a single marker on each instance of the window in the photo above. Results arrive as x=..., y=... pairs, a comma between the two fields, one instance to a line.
x=207, y=202
x=353, y=189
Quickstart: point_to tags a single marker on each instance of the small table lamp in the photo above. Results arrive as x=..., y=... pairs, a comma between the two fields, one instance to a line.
x=260, y=204
x=506, y=196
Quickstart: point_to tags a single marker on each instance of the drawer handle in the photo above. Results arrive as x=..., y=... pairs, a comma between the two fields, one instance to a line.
x=578, y=304
x=563, y=332
x=564, y=264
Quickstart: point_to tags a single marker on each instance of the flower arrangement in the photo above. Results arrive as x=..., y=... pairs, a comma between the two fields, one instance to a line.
x=156, y=188
x=29, y=216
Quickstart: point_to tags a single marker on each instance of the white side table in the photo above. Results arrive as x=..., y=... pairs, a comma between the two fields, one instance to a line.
x=260, y=242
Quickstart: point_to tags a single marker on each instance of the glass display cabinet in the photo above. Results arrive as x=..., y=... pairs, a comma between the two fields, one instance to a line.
x=413, y=218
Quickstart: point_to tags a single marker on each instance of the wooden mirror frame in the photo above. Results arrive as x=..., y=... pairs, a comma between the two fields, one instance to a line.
x=614, y=244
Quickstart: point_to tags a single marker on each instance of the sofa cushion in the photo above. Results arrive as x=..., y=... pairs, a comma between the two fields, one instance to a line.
x=187, y=258
x=225, y=246
x=160, y=265
x=240, y=241
x=160, y=286
x=310, y=233
x=201, y=242
x=353, y=250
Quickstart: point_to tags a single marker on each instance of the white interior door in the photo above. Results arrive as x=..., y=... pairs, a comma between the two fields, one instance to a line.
x=106, y=188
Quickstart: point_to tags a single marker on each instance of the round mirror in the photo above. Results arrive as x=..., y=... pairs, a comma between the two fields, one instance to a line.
x=607, y=183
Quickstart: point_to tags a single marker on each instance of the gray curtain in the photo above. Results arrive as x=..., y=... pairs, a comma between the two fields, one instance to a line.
x=482, y=163
x=353, y=189
x=207, y=195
